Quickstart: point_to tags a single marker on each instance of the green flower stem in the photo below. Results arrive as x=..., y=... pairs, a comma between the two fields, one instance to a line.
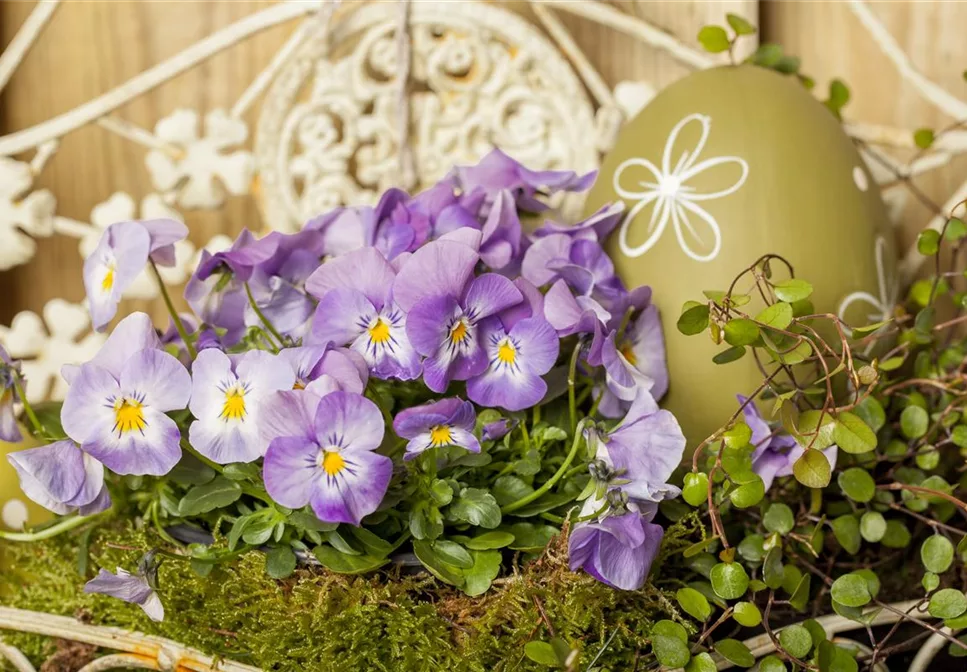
x=571, y=380
x=28, y=409
x=179, y=325
x=65, y=525
x=159, y=527
x=258, y=311
x=537, y=415
x=524, y=501
x=188, y=448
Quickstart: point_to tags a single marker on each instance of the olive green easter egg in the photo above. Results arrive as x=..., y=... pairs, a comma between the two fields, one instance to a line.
x=720, y=168
x=16, y=510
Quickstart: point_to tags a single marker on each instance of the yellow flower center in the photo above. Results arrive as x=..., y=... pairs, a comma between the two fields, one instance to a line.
x=458, y=332
x=629, y=353
x=379, y=331
x=107, y=282
x=332, y=462
x=299, y=384
x=234, y=406
x=128, y=416
x=440, y=435
x=507, y=353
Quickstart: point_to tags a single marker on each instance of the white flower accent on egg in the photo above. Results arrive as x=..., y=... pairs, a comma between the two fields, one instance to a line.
x=673, y=198
x=882, y=306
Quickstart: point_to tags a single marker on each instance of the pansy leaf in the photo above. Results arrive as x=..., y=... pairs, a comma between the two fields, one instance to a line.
x=280, y=562
x=217, y=494
x=477, y=507
x=481, y=574
x=490, y=540
x=341, y=563
x=438, y=565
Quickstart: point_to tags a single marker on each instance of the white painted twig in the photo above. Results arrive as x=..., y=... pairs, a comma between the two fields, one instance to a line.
x=42, y=156
x=929, y=650
x=592, y=78
x=170, y=655
x=642, y=30
x=117, y=661
x=930, y=90
x=911, y=263
x=71, y=227
x=136, y=134
x=260, y=83
x=24, y=39
x=15, y=658
x=92, y=110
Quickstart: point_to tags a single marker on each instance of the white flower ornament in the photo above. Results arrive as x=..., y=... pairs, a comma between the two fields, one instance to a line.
x=882, y=306
x=674, y=200
x=22, y=212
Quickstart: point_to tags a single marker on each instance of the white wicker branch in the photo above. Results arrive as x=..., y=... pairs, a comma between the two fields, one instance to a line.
x=139, y=650
x=25, y=38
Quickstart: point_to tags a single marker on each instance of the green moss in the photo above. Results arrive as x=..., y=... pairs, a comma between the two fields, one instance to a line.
x=317, y=620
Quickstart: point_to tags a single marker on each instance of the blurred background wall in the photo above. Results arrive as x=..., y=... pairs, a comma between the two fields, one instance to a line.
x=87, y=48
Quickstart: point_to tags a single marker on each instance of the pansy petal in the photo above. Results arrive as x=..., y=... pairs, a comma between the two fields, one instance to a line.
x=210, y=372
x=461, y=437
x=87, y=407
x=489, y=294
x=53, y=475
x=287, y=414
x=153, y=450
x=349, y=420
x=539, y=344
x=365, y=270
x=438, y=268
x=355, y=491
x=132, y=334
x=291, y=470
x=263, y=373
x=514, y=393
x=427, y=323
x=160, y=378
x=539, y=258
x=341, y=316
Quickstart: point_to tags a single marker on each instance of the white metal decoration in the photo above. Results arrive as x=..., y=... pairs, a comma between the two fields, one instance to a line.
x=338, y=125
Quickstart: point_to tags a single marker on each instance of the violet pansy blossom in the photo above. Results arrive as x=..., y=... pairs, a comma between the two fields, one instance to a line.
x=447, y=310
x=139, y=588
x=617, y=549
x=120, y=256
x=226, y=397
x=775, y=452
x=581, y=262
x=115, y=407
x=344, y=368
x=357, y=308
x=8, y=396
x=62, y=478
x=327, y=457
x=517, y=360
x=448, y=422
x=636, y=361
x=643, y=450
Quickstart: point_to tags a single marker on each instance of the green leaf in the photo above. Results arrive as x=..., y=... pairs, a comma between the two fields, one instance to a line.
x=452, y=553
x=531, y=537
x=542, y=653
x=243, y=471
x=694, y=320
x=778, y=315
x=947, y=603
x=280, y=562
x=477, y=507
x=747, y=614
x=191, y=471
x=956, y=230
x=713, y=39
x=436, y=565
x=490, y=540
x=871, y=412
x=752, y=548
x=914, y=422
x=748, y=495
x=896, y=536
x=846, y=529
x=701, y=662
x=342, y=563
x=796, y=640
x=857, y=484
x=259, y=530
x=772, y=664
x=872, y=526
x=923, y=138
x=729, y=356
x=838, y=96
x=374, y=544
x=729, y=580
x=741, y=331
x=792, y=289
x=441, y=492
x=958, y=650
x=767, y=55
x=509, y=489
x=670, y=644
x=779, y=518
x=930, y=582
x=217, y=494
x=739, y=25
x=834, y=658
x=695, y=490
x=485, y=568
x=812, y=469
x=693, y=603
x=810, y=433
x=738, y=435
x=937, y=554
x=735, y=652
x=773, y=572
x=853, y=435
x=851, y=590
x=787, y=65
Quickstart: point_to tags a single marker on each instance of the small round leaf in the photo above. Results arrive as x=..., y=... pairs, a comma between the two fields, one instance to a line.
x=937, y=554
x=857, y=484
x=693, y=603
x=735, y=652
x=779, y=518
x=851, y=590
x=872, y=526
x=747, y=614
x=914, y=422
x=729, y=580
x=947, y=603
x=796, y=640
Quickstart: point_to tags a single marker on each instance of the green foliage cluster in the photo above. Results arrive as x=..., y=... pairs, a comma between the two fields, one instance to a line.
x=322, y=621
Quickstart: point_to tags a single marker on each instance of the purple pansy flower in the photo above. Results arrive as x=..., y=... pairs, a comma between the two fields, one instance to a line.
x=340, y=368
x=356, y=308
x=581, y=262
x=775, y=452
x=119, y=258
x=498, y=429
x=517, y=360
x=448, y=422
x=62, y=478
x=139, y=588
x=570, y=314
x=596, y=227
x=9, y=431
x=644, y=449
x=226, y=396
x=132, y=334
x=115, y=407
x=447, y=313
x=637, y=362
x=328, y=460
x=617, y=550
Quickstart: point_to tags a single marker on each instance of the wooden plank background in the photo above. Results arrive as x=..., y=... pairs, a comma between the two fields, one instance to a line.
x=90, y=47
